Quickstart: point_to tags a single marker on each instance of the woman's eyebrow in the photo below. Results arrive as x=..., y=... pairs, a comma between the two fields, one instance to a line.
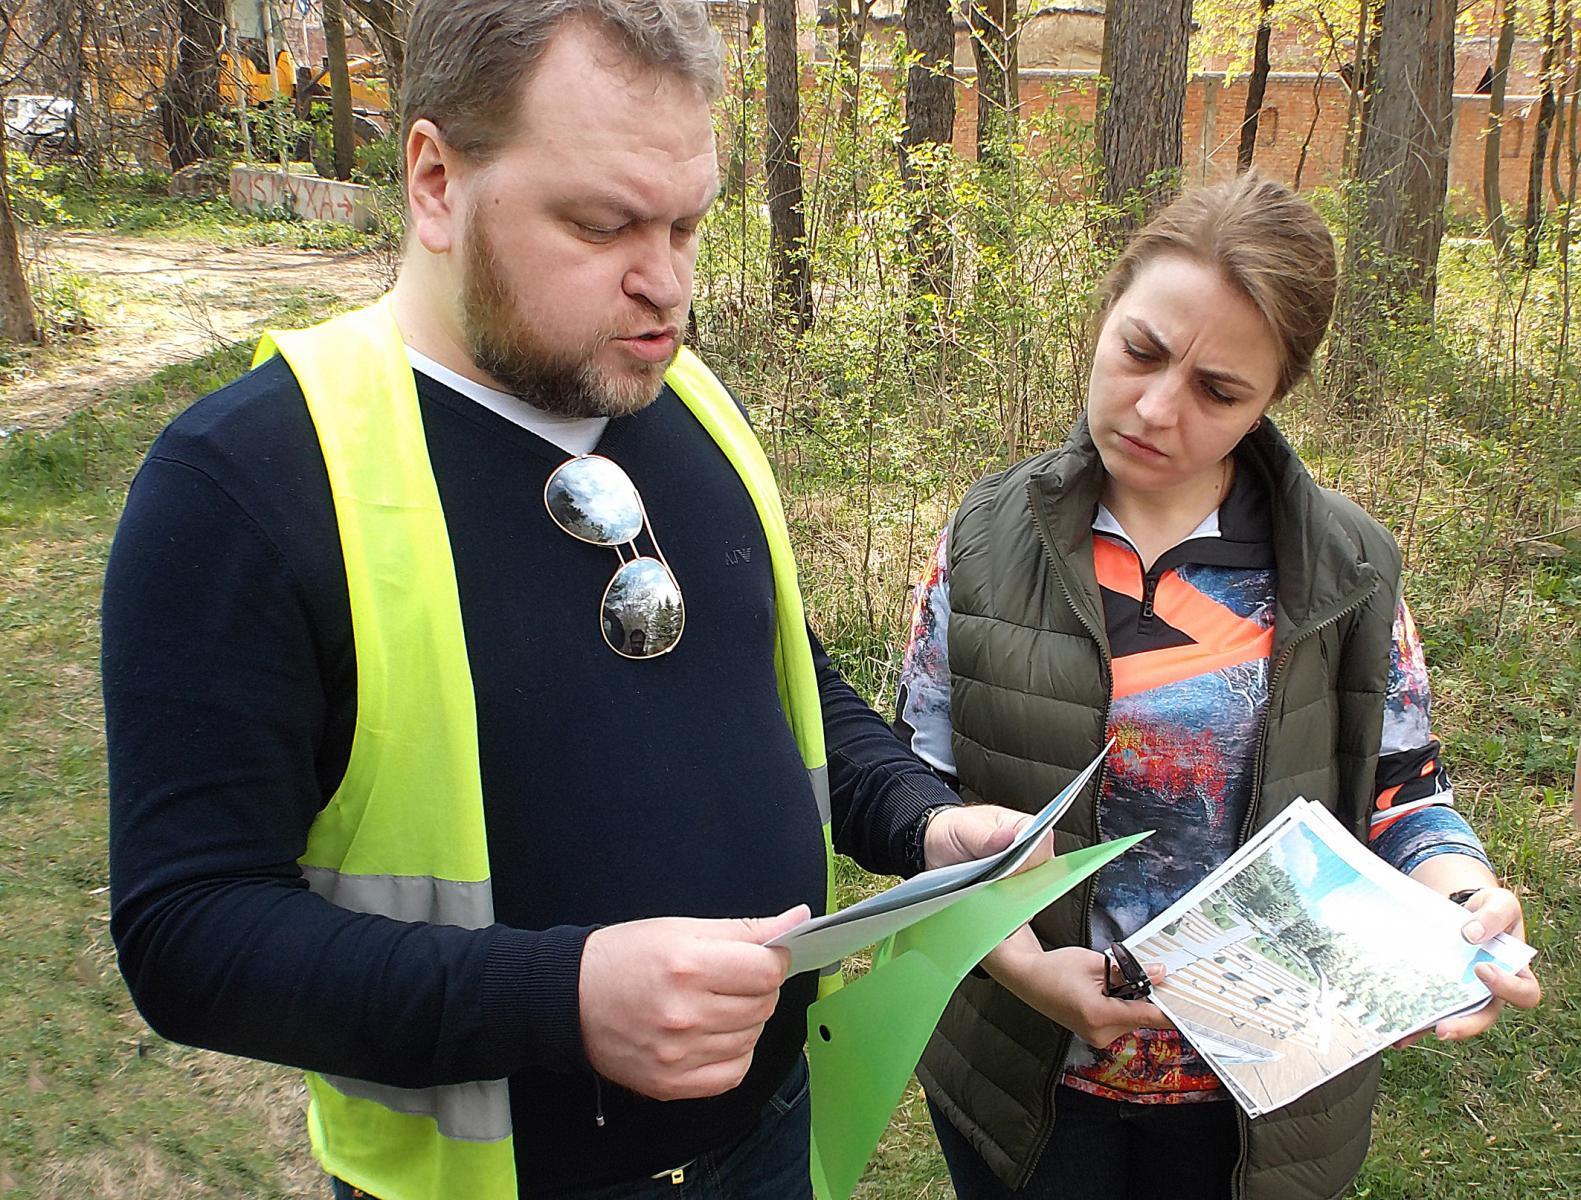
x=1223, y=377
x=1219, y=376
x=1151, y=334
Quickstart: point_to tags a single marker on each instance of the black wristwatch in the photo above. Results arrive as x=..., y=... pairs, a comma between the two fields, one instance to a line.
x=916, y=851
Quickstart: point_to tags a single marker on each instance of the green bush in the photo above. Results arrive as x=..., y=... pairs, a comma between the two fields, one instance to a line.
x=379, y=161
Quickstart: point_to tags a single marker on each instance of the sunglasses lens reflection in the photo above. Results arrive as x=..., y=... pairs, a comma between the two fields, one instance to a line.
x=643, y=615
x=593, y=499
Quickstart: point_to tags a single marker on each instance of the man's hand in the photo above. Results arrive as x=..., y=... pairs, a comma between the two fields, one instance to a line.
x=960, y=834
x=1066, y=986
x=672, y=1007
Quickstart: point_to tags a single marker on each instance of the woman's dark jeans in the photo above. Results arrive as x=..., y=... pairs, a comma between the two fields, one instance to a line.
x=1111, y=1150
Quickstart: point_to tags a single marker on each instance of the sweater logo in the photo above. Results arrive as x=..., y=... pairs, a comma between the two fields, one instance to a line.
x=741, y=554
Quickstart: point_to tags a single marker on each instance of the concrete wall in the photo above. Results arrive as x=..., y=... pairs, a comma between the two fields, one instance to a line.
x=257, y=189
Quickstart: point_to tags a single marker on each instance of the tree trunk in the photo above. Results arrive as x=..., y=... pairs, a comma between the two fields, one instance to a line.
x=1492, y=194
x=1111, y=17
x=1565, y=68
x=387, y=19
x=850, y=18
x=339, y=87
x=1317, y=106
x=994, y=52
x=1397, y=220
x=192, y=94
x=782, y=166
x=1256, y=87
x=1404, y=161
x=1539, y=159
x=740, y=108
x=1573, y=161
x=1147, y=104
x=930, y=123
x=17, y=321
x=1364, y=66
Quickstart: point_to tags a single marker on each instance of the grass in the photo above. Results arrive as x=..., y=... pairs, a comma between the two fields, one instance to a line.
x=94, y=1105
x=137, y=204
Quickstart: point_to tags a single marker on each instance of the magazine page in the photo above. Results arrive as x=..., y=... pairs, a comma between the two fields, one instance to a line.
x=1304, y=954
x=819, y=941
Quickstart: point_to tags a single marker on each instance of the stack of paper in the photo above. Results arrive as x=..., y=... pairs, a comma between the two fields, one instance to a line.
x=1305, y=953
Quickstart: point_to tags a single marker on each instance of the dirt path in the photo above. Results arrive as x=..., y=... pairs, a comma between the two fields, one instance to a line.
x=168, y=301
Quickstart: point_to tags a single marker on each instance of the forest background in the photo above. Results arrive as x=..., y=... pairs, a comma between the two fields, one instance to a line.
x=903, y=306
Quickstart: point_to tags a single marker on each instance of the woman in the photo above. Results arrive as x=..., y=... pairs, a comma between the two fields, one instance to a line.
x=1173, y=578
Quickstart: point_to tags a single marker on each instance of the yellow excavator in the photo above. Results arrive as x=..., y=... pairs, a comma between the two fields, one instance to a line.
x=247, y=75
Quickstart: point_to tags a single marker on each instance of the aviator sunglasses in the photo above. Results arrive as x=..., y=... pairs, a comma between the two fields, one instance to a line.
x=1132, y=982
x=594, y=500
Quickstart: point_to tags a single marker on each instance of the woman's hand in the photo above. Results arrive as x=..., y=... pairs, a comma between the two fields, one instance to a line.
x=1493, y=910
x=1066, y=986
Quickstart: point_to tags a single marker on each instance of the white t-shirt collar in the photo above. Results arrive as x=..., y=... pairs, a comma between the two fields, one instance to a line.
x=574, y=435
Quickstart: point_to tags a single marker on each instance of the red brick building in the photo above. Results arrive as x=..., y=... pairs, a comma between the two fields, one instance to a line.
x=1305, y=109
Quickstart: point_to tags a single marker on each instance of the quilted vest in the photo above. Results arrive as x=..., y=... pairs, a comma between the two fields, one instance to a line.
x=1030, y=693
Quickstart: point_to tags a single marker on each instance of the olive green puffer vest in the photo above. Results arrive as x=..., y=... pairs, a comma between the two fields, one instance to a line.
x=1029, y=701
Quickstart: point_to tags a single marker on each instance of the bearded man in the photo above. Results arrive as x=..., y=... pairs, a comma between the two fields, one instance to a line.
x=467, y=740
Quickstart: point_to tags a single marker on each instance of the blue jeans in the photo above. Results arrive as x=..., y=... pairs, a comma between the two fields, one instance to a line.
x=772, y=1162
x=1111, y=1150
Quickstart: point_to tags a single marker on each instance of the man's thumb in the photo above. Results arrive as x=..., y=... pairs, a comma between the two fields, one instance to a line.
x=762, y=929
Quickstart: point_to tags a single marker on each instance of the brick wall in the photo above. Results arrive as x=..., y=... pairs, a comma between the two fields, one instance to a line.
x=1059, y=60
x=1299, y=119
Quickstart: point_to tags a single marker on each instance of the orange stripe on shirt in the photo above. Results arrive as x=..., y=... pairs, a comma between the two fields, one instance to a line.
x=1117, y=568
x=1204, y=619
x=1149, y=669
x=1199, y=617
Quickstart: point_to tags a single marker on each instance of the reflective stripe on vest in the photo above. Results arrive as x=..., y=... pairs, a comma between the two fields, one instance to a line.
x=413, y=769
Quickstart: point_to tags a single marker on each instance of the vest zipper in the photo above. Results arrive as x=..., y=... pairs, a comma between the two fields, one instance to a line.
x=1254, y=806
x=1349, y=606
x=598, y=1101
x=1063, y=1045
x=1149, y=593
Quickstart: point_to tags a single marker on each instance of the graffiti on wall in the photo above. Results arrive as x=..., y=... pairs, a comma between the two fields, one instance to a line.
x=256, y=190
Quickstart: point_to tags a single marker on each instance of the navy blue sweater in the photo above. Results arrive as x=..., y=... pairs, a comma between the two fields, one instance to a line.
x=613, y=789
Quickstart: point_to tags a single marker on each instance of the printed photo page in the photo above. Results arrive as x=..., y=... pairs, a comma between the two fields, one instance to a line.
x=1305, y=953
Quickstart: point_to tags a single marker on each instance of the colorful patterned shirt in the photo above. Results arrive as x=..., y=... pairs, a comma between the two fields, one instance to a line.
x=1189, y=640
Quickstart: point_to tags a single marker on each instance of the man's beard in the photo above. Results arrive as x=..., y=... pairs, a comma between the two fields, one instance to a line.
x=566, y=383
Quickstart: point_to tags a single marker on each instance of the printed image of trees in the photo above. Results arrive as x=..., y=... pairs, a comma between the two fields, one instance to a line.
x=1382, y=994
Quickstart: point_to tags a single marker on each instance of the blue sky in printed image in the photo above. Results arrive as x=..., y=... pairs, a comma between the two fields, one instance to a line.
x=1341, y=898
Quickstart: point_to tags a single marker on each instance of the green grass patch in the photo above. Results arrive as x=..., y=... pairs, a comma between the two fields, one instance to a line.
x=93, y=1104
x=138, y=204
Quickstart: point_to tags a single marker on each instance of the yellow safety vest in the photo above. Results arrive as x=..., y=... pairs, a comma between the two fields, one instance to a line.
x=403, y=835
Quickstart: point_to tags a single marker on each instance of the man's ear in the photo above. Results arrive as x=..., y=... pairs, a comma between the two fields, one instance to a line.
x=433, y=187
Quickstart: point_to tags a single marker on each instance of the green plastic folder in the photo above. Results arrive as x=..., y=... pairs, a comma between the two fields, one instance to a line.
x=864, y=1040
